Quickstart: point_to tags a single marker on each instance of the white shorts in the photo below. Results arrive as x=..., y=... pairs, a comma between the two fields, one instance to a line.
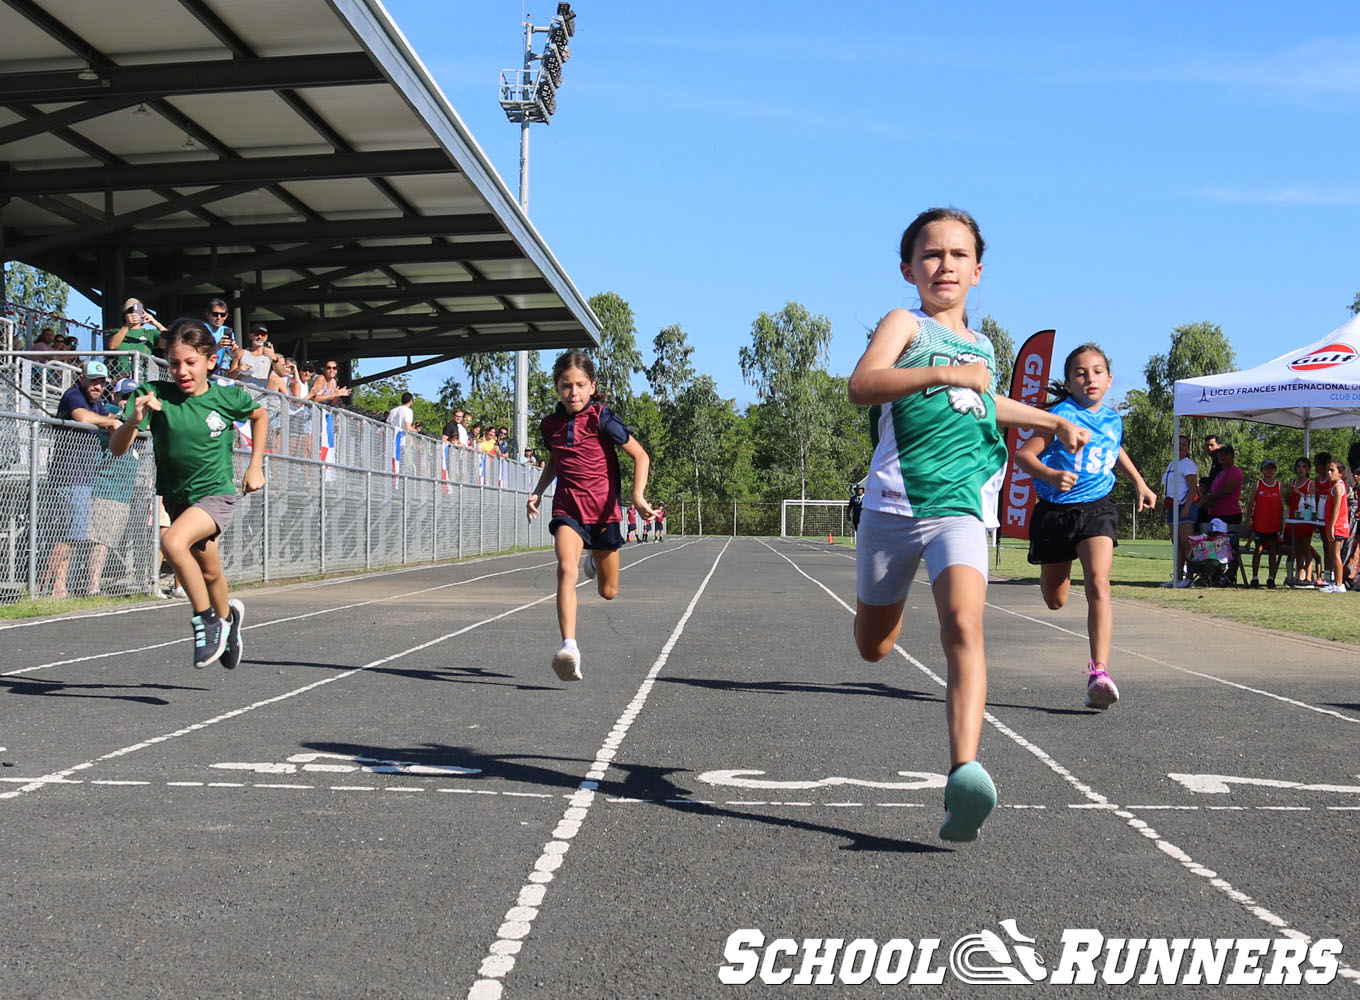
x=890, y=547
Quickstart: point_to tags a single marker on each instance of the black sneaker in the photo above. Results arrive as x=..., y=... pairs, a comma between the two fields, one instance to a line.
x=231, y=656
x=210, y=638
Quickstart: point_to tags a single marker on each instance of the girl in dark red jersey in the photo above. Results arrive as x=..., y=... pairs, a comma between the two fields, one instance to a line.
x=581, y=437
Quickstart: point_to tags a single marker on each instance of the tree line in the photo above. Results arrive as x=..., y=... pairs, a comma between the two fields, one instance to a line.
x=801, y=438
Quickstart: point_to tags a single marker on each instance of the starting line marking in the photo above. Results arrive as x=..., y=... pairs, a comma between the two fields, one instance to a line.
x=629, y=800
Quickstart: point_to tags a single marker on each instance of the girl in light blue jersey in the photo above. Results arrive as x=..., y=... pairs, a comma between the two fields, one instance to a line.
x=932, y=486
x=1075, y=516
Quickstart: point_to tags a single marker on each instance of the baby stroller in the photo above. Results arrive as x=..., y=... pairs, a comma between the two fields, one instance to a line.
x=1214, y=559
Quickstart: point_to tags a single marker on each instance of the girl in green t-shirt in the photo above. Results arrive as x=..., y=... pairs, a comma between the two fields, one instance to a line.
x=191, y=422
x=932, y=487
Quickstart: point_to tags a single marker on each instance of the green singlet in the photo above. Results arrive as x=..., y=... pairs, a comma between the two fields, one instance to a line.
x=938, y=452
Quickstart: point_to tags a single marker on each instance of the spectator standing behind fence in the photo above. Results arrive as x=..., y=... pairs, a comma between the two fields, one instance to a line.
x=325, y=389
x=632, y=525
x=115, y=485
x=455, y=432
x=254, y=365
x=215, y=316
x=70, y=472
x=191, y=435
x=581, y=437
x=1180, y=486
x=660, y=523
x=141, y=332
x=856, y=510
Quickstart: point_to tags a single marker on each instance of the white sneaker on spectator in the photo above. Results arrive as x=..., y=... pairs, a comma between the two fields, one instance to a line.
x=178, y=591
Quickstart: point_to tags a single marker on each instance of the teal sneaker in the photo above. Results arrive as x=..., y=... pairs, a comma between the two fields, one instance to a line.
x=969, y=798
x=210, y=638
x=231, y=656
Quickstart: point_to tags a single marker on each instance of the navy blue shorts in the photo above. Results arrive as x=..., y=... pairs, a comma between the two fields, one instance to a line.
x=596, y=536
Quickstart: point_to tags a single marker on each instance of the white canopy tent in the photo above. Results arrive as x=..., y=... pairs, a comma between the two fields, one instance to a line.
x=1314, y=386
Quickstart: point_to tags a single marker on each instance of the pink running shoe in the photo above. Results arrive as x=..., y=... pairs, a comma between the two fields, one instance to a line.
x=1100, y=690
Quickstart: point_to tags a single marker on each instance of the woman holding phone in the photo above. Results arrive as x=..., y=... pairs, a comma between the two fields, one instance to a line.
x=140, y=332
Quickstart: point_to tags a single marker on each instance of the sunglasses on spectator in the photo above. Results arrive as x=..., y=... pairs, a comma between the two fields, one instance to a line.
x=216, y=313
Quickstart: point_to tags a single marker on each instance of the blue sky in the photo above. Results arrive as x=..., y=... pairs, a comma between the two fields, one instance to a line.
x=1132, y=167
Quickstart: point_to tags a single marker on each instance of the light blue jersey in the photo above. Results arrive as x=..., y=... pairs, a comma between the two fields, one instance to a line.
x=1093, y=463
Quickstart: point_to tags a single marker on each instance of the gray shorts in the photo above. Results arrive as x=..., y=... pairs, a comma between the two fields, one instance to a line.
x=220, y=508
x=890, y=547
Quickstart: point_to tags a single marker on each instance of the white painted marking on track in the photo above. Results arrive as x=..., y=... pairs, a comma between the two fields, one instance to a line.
x=737, y=779
x=631, y=801
x=1221, y=784
x=195, y=727
x=38, y=783
x=310, y=614
x=1185, y=670
x=1165, y=846
x=500, y=958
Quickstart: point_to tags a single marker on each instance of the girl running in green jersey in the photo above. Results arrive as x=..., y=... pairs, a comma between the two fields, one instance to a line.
x=932, y=488
x=191, y=421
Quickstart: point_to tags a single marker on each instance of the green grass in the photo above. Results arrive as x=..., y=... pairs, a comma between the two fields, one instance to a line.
x=1141, y=567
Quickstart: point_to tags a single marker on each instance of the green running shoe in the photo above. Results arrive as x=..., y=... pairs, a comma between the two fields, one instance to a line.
x=969, y=797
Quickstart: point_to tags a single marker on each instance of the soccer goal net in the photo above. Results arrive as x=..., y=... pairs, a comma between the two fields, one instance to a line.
x=814, y=518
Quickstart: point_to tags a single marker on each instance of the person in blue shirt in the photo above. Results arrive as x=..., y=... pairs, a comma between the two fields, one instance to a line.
x=1075, y=516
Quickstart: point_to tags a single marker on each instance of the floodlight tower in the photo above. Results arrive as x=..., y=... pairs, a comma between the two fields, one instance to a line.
x=529, y=95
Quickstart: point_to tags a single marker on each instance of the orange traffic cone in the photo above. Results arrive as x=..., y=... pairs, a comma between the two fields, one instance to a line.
x=829, y=539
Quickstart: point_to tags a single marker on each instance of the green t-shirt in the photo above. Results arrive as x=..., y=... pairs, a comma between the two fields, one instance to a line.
x=142, y=339
x=191, y=437
x=938, y=452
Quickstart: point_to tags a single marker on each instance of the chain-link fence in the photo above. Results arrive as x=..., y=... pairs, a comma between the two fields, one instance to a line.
x=343, y=492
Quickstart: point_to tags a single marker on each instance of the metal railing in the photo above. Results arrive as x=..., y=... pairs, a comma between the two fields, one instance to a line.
x=339, y=496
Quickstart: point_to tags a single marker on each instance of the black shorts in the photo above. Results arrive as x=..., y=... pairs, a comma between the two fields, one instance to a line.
x=1264, y=537
x=596, y=536
x=1056, y=528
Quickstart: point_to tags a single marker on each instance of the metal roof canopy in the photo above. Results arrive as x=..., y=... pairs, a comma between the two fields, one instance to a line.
x=295, y=159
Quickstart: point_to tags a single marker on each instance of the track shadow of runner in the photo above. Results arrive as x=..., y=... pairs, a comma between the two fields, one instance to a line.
x=61, y=689
x=455, y=675
x=805, y=687
x=1046, y=709
x=651, y=784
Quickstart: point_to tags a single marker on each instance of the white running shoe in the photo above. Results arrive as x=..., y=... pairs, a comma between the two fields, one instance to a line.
x=588, y=564
x=566, y=663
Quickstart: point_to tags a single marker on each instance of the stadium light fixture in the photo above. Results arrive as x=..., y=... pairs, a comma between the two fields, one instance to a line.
x=528, y=96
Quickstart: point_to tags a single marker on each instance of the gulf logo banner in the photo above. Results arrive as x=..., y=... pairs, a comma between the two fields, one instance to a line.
x=1029, y=384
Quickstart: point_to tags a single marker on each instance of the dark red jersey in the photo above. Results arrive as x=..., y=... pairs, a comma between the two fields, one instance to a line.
x=583, y=450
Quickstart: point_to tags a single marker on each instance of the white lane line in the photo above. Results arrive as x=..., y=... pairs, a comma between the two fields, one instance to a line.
x=626, y=800
x=500, y=957
x=195, y=727
x=323, y=611
x=1185, y=670
x=1090, y=794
